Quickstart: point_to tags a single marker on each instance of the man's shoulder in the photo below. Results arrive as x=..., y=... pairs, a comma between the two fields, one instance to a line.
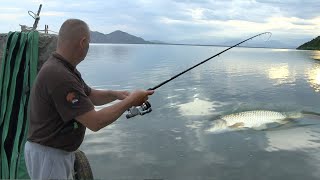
x=54, y=73
x=53, y=69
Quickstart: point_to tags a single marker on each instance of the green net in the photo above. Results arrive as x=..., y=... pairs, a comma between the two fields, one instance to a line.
x=18, y=71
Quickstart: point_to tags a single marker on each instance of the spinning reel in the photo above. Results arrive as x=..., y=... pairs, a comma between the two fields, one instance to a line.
x=139, y=110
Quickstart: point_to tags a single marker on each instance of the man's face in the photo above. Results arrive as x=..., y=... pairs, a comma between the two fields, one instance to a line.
x=85, y=46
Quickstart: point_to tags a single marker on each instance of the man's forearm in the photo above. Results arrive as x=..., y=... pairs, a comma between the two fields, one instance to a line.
x=95, y=120
x=101, y=97
x=110, y=114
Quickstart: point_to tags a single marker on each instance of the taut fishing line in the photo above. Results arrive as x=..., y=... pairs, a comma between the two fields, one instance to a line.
x=146, y=107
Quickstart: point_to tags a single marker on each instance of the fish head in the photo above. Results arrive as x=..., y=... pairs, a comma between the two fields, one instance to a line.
x=218, y=126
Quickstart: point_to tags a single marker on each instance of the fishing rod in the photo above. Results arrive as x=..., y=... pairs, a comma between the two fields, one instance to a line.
x=146, y=107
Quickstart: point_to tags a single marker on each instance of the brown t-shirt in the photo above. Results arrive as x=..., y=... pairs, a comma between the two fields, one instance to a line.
x=58, y=95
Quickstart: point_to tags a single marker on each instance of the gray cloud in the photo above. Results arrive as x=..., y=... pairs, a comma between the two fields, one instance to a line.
x=174, y=20
x=305, y=9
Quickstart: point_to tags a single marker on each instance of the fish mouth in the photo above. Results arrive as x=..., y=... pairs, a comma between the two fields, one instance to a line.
x=218, y=126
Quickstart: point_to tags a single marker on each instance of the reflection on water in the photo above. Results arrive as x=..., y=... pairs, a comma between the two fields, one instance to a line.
x=315, y=55
x=302, y=139
x=281, y=74
x=197, y=107
x=281, y=50
x=97, y=141
x=195, y=125
x=171, y=142
x=113, y=53
x=313, y=75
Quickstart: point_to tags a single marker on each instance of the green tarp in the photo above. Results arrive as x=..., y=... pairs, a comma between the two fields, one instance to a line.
x=17, y=73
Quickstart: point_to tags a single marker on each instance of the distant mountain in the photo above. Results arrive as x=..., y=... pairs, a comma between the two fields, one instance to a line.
x=263, y=41
x=120, y=37
x=269, y=44
x=158, y=42
x=117, y=37
x=314, y=44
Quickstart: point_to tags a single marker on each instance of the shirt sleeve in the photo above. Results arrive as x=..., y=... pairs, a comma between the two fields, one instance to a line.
x=87, y=89
x=71, y=100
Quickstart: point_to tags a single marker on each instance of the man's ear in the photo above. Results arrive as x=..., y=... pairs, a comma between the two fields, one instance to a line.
x=83, y=42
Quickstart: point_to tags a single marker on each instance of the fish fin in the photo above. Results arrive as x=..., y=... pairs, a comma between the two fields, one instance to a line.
x=288, y=126
x=215, y=117
x=310, y=113
x=237, y=125
x=286, y=121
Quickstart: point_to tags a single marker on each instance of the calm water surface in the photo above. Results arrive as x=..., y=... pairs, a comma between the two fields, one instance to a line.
x=173, y=141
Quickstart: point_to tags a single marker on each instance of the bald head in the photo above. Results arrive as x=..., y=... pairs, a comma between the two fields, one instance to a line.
x=73, y=40
x=72, y=31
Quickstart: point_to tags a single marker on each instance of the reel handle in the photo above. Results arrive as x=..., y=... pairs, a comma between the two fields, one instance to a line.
x=139, y=110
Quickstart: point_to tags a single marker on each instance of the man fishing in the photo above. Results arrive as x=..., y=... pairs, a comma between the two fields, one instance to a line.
x=62, y=106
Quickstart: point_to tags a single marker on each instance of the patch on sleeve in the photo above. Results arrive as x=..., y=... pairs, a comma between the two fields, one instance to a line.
x=73, y=98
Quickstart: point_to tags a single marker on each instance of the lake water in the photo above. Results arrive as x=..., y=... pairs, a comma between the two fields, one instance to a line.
x=173, y=141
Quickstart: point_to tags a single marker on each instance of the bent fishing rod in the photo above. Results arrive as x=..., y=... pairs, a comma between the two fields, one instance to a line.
x=146, y=107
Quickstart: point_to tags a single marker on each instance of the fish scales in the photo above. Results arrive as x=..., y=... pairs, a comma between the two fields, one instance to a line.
x=253, y=118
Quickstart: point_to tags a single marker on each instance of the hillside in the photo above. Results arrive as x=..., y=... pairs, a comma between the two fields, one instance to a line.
x=117, y=37
x=314, y=44
x=120, y=37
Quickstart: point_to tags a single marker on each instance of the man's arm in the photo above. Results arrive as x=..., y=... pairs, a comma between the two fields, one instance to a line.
x=95, y=120
x=101, y=97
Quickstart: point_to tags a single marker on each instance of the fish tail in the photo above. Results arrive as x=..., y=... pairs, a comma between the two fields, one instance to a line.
x=310, y=113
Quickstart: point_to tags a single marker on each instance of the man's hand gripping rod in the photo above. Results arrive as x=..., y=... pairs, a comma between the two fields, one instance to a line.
x=146, y=107
x=139, y=110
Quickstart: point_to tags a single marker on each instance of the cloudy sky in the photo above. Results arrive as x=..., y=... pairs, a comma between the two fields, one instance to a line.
x=190, y=21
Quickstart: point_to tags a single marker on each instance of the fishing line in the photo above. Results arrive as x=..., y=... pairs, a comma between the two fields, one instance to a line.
x=146, y=107
x=172, y=78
